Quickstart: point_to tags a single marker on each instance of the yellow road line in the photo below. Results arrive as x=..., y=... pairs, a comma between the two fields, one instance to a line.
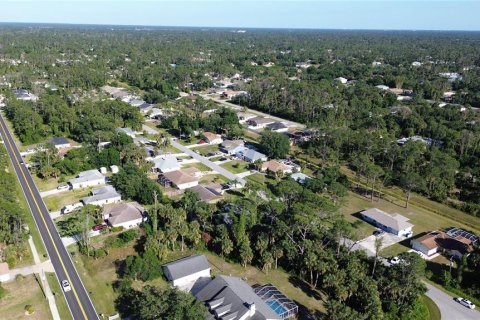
x=44, y=222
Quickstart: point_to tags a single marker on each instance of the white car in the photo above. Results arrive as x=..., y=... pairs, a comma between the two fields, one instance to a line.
x=63, y=187
x=395, y=260
x=66, y=286
x=465, y=302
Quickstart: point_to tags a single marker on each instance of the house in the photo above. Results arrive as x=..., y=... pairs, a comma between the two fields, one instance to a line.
x=300, y=177
x=275, y=166
x=60, y=142
x=277, y=127
x=178, y=178
x=166, y=163
x=232, y=146
x=392, y=223
x=186, y=272
x=382, y=87
x=4, y=272
x=209, y=193
x=342, y=80
x=232, y=298
x=126, y=215
x=102, y=196
x=259, y=122
x=251, y=156
x=129, y=132
x=416, y=64
x=244, y=117
x=87, y=179
x=212, y=138
x=114, y=169
x=136, y=102
x=454, y=242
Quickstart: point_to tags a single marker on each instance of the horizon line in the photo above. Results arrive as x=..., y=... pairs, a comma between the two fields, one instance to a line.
x=232, y=27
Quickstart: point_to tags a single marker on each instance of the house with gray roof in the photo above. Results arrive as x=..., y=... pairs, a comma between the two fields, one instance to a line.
x=232, y=146
x=85, y=179
x=393, y=223
x=166, y=163
x=60, y=142
x=300, y=177
x=232, y=298
x=125, y=215
x=251, y=156
x=102, y=196
x=189, y=272
x=129, y=132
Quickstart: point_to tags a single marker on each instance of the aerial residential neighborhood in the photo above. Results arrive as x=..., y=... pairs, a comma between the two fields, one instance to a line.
x=237, y=166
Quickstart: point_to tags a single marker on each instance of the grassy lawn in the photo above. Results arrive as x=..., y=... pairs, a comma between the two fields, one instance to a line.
x=236, y=166
x=217, y=178
x=45, y=184
x=206, y=149
x=60, y=301
x=57, y=201
x=200, y=166
x=434, y=312
x=21, y=293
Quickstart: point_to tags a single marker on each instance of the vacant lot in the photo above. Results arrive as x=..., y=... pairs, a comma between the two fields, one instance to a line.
x=21, y=293
x=236, y=166
x=58, y=201
x=206, y=148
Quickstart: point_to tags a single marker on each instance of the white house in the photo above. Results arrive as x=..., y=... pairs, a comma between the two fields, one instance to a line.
x=341, y=80
x=300, y=177
x=259, y=122
x=232, y=146
x=87, y=179
x=125, y=215
x=166, y=163
x=179, y=178
x=212, y=138
x=244, y=117
x=382, y=87
x=251, y=156
x=102, y=196
x=185, y=272
x=60, y=142
x=392, y=223
x=129, y=132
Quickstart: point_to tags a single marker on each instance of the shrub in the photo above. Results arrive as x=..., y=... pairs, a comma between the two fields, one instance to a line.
x=29, y=309
x=3, y=292
x=19, y=277
x=116, y=229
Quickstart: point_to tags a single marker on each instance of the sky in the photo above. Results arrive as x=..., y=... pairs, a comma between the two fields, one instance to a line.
x=313, y=14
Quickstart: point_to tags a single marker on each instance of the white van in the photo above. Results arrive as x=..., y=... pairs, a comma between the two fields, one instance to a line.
x=71, y=207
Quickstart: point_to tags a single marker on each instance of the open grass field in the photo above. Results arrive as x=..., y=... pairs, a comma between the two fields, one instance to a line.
x=207, y=148
x=49, y=184
x=57, y=201
x=60, y=301
x=200, y=166
x=236, y=166
x=20, y=293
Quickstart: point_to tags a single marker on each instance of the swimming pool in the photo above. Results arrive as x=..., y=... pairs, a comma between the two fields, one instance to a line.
x=276, y=306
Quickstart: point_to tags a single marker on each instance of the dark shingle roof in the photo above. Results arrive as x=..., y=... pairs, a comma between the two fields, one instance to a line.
x=59, y=140
x=187, y=266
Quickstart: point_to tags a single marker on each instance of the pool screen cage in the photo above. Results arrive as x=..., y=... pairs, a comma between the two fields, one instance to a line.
x=284, y=307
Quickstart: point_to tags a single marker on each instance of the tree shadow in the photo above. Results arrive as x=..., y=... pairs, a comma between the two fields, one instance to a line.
x=305, y=287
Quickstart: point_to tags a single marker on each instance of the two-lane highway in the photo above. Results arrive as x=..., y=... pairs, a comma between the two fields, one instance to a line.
x=78, y=300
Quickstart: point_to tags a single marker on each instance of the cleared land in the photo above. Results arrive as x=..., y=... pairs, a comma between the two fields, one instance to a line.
x=20, y=293
x=60, y=301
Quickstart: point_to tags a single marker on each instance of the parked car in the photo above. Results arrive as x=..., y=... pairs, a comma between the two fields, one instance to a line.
x=63, y=187
x=223, y=159
x=464, y=302
x=66, y=286
x=99, y=227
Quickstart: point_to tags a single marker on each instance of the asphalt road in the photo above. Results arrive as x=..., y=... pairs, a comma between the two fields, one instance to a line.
x=215, y=167
x=78, y=300
x=449, y=308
